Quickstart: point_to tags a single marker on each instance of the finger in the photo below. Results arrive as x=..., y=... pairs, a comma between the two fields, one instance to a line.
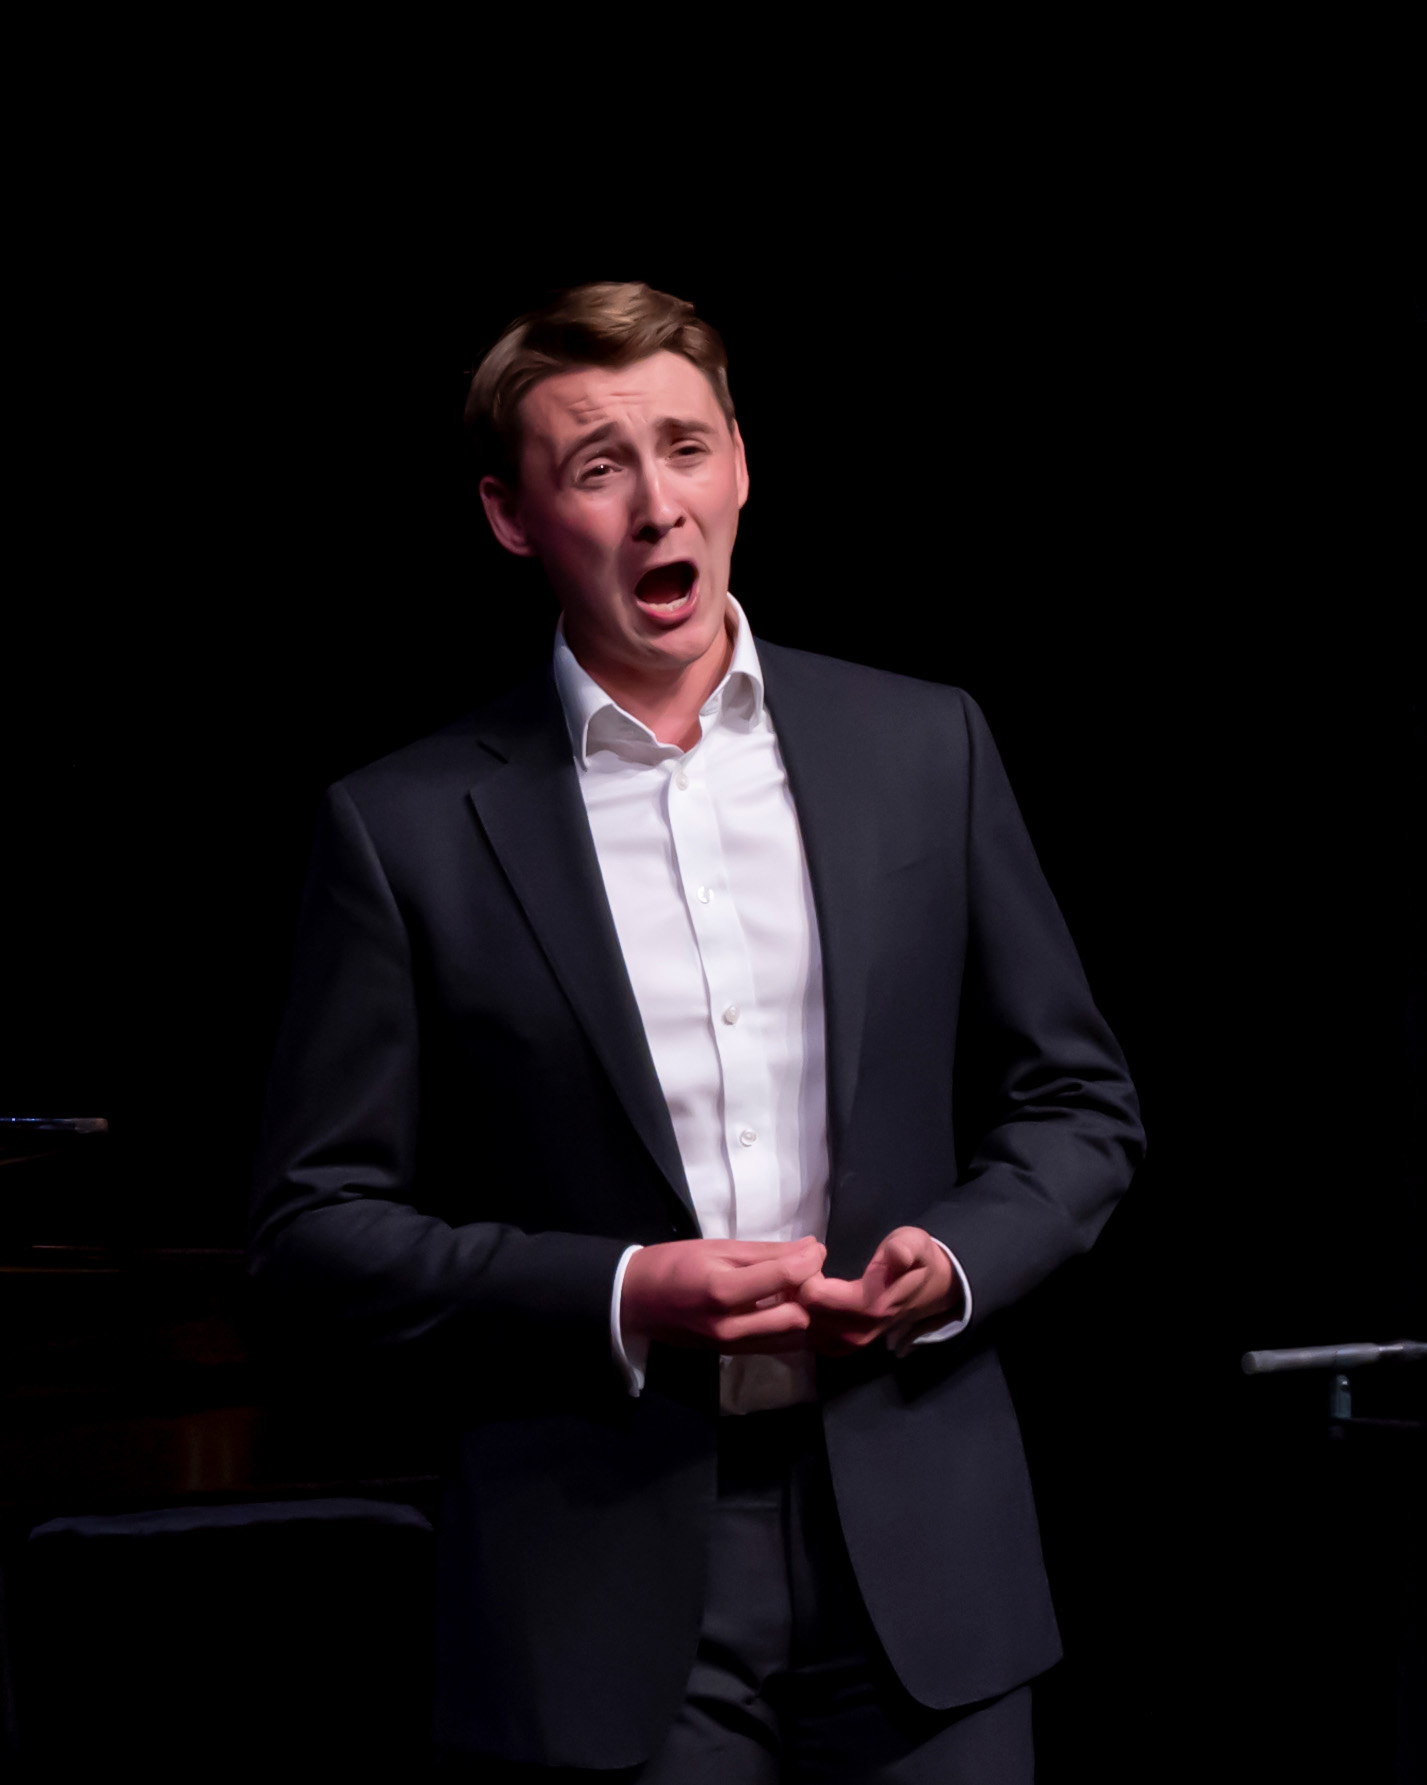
x=899, y=1252
x=805, y=1263
x=903, y=1255
x=796, y=1263
x=886, y=1267
x=792, y=1294
x=743, y=1289
x=758, y=1251
x=745, y=1284
x=835, y=1295
x=787, y=1320
x=900, y=1297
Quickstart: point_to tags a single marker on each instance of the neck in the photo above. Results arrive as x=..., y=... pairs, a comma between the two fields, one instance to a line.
x=668, y=704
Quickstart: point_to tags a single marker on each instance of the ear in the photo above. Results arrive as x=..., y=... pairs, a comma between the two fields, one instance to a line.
x=740, y=466
x=503, y=512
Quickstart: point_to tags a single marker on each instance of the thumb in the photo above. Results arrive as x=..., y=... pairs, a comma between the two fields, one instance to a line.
x=898, y=1254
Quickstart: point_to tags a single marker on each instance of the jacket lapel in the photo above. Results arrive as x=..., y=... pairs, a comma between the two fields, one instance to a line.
x=530, y=808
x=836, y=808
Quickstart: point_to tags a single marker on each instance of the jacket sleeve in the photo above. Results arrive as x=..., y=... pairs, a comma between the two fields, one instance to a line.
x=338, y=1243
x=1057, y=1130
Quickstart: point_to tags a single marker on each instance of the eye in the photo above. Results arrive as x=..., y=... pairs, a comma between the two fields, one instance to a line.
x=597, y=472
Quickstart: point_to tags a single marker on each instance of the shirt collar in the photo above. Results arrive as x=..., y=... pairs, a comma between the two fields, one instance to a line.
x=596, y=720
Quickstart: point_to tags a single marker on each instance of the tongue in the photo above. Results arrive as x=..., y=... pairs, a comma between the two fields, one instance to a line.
x=668, y=583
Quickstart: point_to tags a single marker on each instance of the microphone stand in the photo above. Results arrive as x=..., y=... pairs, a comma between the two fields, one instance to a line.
x=1340, y=1359
x=1409, y=1738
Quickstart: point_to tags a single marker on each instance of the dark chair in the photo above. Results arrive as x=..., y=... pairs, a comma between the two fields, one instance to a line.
x=223, y=1641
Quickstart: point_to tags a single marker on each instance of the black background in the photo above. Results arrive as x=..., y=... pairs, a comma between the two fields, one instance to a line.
x=1129, y=461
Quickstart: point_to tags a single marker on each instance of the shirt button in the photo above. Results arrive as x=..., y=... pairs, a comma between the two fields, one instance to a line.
x=681, y=780
x=731, y=1014
x=747, y=1136
x=704, y=895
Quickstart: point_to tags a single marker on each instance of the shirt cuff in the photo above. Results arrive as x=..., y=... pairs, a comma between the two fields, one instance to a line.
x=632, y=1360
x=898, y=1339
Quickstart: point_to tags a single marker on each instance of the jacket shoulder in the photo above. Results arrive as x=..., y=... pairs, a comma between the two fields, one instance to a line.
x=861, y=695
x=452, y=759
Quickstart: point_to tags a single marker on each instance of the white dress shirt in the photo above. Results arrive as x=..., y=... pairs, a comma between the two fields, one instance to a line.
x=703, y=866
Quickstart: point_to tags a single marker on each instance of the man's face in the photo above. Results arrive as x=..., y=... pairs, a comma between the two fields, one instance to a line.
x=630, y=487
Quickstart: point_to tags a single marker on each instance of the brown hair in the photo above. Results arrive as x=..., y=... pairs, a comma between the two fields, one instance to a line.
x=603, y=324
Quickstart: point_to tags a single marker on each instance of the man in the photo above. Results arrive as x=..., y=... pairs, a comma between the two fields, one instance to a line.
x=687, y=1051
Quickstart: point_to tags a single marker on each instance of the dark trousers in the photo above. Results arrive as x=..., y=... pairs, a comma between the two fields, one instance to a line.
x=790, y=1685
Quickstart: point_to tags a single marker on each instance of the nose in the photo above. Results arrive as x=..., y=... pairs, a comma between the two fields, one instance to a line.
x=656, y=512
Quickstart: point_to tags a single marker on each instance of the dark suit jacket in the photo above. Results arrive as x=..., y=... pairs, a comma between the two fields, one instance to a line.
x=465, y=1131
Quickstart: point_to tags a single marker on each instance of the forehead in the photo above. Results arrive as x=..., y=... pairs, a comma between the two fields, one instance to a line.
x=641, y=395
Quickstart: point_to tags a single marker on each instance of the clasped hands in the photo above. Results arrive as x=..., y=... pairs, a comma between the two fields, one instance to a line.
x=736, y=1296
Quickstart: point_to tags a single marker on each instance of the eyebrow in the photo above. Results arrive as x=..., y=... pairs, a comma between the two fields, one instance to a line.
x=668, y=425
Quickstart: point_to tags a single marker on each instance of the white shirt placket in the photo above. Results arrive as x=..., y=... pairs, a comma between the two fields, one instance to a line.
x=748, y=1133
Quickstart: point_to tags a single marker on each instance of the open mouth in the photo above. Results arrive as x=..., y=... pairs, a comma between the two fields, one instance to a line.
x=668, y=590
